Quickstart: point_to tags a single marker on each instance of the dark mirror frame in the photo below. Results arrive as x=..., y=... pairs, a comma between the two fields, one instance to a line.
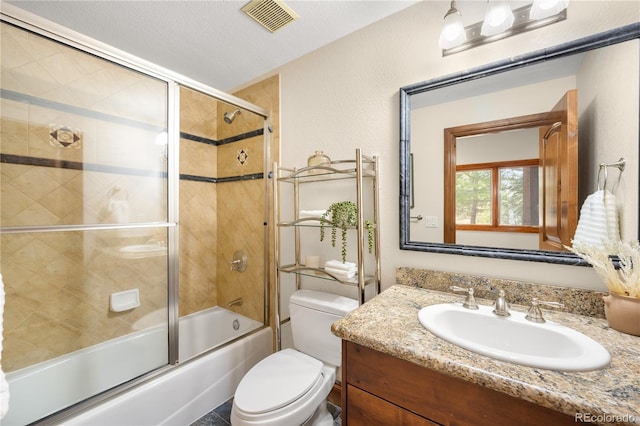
x=596, y=41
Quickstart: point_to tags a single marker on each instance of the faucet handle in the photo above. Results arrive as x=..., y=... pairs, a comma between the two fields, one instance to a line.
x=470, y=301
x=239, y=262
x=535, y=313
x=501, y=306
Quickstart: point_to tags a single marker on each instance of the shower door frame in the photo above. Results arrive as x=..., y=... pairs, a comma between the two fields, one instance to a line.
x=29, y=22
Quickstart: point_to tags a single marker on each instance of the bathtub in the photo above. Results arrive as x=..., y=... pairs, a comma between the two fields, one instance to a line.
x=179, y=396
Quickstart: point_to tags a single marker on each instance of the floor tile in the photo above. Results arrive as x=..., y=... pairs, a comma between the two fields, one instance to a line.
x=220, y=416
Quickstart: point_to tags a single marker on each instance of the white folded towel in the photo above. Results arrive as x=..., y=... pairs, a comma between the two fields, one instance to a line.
x=598, y=220
x=4, y=386
x=340, y=273
x=337, y=264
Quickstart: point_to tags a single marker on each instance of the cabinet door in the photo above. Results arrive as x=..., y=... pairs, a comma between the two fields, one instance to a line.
x=433, y=395
x=369, y=410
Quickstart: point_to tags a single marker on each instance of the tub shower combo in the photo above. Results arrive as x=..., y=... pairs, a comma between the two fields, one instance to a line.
x=132, y=233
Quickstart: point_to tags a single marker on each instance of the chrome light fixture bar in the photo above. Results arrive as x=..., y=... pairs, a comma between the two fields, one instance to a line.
x=522, y=23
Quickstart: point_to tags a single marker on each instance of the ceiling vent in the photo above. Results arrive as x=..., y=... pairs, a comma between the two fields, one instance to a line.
x=271, y=14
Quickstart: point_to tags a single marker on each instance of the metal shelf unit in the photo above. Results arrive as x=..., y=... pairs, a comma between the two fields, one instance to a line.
x=359, y=169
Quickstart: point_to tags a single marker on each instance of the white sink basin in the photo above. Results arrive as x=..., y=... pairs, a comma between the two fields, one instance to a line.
x=514, y=339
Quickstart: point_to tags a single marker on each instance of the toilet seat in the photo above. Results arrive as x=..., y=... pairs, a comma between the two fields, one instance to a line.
x=284, y=388
x=276, y=381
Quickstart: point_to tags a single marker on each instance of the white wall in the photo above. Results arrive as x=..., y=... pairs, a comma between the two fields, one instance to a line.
x=520, y=144
x=607, y=109
x=345, y=95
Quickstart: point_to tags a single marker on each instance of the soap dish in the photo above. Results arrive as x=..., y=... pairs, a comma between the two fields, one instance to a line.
x=124, y=300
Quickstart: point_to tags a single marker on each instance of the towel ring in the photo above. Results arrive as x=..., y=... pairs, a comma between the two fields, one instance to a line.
x=620, y=165
x=604, y=183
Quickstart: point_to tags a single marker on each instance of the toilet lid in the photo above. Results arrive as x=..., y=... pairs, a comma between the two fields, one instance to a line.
x=276, y=381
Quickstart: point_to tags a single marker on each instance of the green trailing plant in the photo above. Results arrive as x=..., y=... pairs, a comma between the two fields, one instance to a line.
x=342, y=215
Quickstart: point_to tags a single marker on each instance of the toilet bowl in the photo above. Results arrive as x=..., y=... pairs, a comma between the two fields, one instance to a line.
x=290, y=387
x=285, y=388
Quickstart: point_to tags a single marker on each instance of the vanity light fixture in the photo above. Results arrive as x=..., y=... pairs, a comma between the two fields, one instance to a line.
x=499, y=22
x=453, y=33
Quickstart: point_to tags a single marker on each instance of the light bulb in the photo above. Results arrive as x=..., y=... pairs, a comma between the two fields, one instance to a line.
x=497, y=19
x=453, y=33
x=541, y=9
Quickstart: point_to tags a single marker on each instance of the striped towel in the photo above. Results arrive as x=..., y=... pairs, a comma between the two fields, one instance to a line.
x=598, y=220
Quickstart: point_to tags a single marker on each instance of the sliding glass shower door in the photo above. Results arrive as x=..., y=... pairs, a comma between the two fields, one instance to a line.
x=85, y=227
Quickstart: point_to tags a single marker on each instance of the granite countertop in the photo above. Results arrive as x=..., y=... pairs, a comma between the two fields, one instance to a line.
x=389, y=323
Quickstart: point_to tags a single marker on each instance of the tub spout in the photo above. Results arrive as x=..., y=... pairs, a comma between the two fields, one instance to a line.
x=235, y=302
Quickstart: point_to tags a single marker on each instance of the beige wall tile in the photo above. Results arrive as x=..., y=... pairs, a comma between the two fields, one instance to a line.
x=198, y=251
x=267, y=95
x=240, y=227
x=58, y=284
x=230, y=156
x=198, y=158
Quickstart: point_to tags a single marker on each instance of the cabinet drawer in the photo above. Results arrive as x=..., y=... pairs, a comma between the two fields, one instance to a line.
x=436, y=396
x=369, y=410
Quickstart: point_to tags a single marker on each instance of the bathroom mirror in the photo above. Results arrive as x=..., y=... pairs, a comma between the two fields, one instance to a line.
x=602, y=69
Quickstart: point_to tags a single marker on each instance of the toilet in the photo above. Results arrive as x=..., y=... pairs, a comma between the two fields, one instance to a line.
x=290, y=387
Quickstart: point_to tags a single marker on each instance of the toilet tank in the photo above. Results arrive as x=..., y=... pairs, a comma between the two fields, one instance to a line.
x=312, y=313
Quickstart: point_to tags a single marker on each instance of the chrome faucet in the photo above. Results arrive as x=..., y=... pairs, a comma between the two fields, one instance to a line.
x=501, y=307
x=470, y=301
x=535, y=313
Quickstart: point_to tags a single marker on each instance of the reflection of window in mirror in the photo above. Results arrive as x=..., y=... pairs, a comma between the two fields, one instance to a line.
x=502, y=197
x=497, y=188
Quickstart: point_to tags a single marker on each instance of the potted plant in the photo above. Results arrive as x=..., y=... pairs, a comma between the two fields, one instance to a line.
x=342, y=215
x=618, y=264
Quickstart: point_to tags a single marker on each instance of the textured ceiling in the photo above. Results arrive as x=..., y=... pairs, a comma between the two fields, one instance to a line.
x=212, y=41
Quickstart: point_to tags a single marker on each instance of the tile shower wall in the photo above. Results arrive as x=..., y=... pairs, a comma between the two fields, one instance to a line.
x=247, y=197
x=78, y=138
x=241, y=216
x=222, y=201
x=198, y=201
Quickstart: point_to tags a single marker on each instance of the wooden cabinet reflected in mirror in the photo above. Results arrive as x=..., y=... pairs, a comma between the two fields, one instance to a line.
x=498, y=169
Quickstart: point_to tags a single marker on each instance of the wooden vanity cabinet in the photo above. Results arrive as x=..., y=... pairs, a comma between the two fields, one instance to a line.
x=379, y=389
